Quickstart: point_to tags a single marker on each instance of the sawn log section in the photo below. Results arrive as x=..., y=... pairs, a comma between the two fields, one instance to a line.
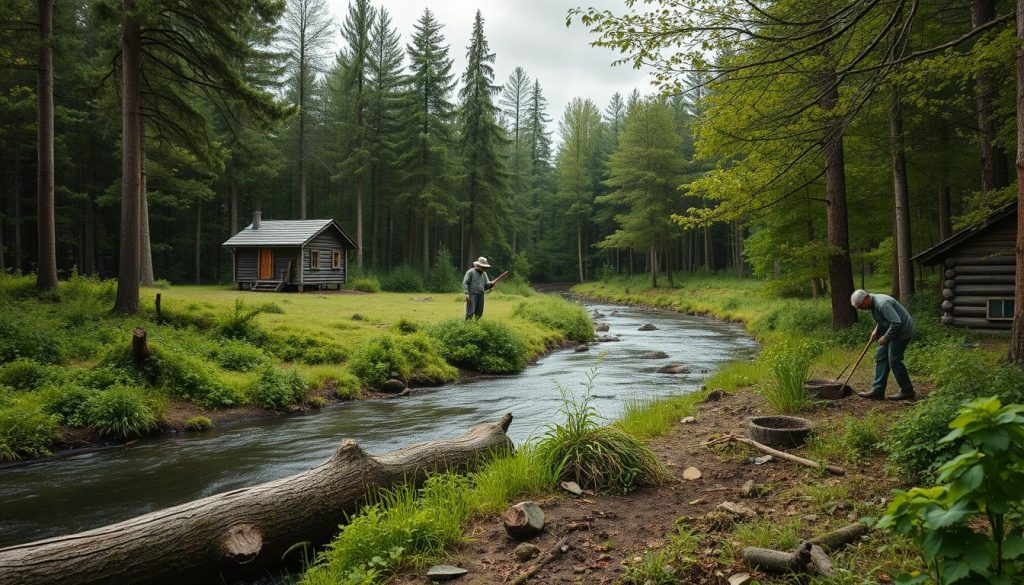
x=243, y=529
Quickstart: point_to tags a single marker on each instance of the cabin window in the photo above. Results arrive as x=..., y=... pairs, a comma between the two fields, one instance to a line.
x=314, y=259
x=336, y=260
x=1000, y=309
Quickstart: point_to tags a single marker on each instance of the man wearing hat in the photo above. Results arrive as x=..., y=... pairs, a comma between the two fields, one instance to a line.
x=474, y=284
x=894, y=328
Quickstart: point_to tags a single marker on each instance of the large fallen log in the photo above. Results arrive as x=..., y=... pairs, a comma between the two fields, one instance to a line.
x=242, y=530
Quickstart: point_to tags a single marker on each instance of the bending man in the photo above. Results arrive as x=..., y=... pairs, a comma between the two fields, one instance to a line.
x=894, y=328
x=474, y=284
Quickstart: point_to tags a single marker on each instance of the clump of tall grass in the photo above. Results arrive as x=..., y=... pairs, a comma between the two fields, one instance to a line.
x=120, y=412
x=570, y=319
x=241, y=322
x=665, y=566
x=25, y=430
x=520, y=473
x=736, y=374
x=853, y=439
x=646, y=417
x=602, y=458
x=790, y=365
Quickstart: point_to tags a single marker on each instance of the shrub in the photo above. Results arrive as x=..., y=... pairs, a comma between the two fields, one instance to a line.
x=27, y=332
x=403, y=279
x=68, y=402
x=404, y=326
x=120, y=412
x=367, y=284
x=25, y=430
x=790, y=365
x=317, y=402
x=596, y=457
x=277, y=389
x=568, y=318
x=485, y=346
x=404, y=357
x=324, y=353
x=177, y=374
x=241, y=323
x=198, y=423
x=443, y=276
x=239, y=357
x=24, y=374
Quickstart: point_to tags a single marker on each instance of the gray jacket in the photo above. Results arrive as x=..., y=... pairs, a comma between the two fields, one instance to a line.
x=475, y=282
x=894, y=322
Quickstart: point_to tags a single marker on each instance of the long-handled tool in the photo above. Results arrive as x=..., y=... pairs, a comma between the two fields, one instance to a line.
x=862, y=354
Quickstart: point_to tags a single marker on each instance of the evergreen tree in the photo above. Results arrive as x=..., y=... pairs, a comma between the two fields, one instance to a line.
x=427, y=116
x=580, y=128
x=514, y=103
x=481, y=141
x=537, y=139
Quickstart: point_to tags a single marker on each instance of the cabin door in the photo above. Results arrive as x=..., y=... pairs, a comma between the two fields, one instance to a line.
x=266, y=264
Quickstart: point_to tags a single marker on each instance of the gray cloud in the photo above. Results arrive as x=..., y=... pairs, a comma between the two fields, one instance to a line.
x=531, y=34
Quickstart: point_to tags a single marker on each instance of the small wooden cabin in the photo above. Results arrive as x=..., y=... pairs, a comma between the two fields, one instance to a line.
x=979, y=270
x=273, y=255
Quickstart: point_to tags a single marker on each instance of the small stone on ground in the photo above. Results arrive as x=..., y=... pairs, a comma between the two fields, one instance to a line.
x=691, y=473
x=445, y=572
x=526, y=551
x=572, y=487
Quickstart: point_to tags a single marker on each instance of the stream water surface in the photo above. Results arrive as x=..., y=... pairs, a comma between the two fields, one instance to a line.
x=88, y=490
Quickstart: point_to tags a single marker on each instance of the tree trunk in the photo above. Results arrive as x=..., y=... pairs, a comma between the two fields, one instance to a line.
x=46, y=267
x=1017, y=336
x=993, y=158
x=654, y=267
x=901, y=201
x=668, y=268
x=89, y=236
x=426, y=242
x=840, y=272
x=17, y=211
x=707, y=249
x=579, y=245
x=375, y=219
x=894, y=283
x=146, y=275
x=302, y=125
x=359, y=222
x=198, y=264
x=945, y=212
x=232, y=197
x=127, y=300
x=244, y=530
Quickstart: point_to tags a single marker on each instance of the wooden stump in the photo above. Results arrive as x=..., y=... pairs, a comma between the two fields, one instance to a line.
x=140, y=351
x=243, y=530
x=523, y=520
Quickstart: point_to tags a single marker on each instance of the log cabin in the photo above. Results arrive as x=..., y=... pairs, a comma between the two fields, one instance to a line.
x=276, y=255
x=978, y=269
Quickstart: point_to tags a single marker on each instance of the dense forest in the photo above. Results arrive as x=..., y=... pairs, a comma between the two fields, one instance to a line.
x=242, y=105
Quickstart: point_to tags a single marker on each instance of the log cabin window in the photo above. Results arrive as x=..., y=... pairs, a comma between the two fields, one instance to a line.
x=1000, y=309
x=314, y=259
x=336, y=260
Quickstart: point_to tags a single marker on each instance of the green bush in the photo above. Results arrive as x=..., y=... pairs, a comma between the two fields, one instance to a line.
x=405, y=357
x=25, y=430
x=367, y=284
x=176, y=373
x=324, y=353
x=26, y=332
x=241, y=322
x=603, y=458
x=238, y=356
x=443, y=276
x=121, y=413
x=317, y=402
x=485, y=346
x=277, y=389
x=404, y=326
x=68, y=402
x=569, y=319
x=24, y=374
x=198, y=423
x=403, y=279
x=913, y=444
x=790, y=365
x=101, y=377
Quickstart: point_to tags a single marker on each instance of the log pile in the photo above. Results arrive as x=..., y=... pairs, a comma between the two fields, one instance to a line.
x=810, y=557
x=242, y=530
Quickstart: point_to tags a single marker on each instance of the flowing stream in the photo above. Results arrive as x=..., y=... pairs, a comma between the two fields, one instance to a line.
x=91, y=489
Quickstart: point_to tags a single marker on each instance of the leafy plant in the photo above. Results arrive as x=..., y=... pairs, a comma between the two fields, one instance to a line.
x=666, y=566
x=443, y=276
x=983, y=481
x=198, y=423
x=239, y=356
x=485, y=346
x=241, y=323
x=176, y=373
x=24, y=374
x=120, y=412
x=277, y=389
x=404, y=278
x=790, y=366
x=404, y=357
x=570, y=319
x=25, y=430
x=367, y=284
x=597, y=457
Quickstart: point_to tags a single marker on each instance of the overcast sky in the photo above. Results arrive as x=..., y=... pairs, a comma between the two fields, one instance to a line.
x=527, y=33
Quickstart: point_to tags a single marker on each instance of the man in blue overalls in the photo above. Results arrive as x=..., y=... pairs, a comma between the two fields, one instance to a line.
x=894, y=328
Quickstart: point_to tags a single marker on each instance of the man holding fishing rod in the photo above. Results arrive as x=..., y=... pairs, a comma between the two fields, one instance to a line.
x=474, y=284
x=894, y=328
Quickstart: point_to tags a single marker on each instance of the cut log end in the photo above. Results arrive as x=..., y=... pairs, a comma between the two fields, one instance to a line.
x=241, y=543
x=505, y=421
x=349, y=450
x=140, y=350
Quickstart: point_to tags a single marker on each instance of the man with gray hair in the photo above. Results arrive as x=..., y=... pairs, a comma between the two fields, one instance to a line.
x=894, y=328
x=474, y=284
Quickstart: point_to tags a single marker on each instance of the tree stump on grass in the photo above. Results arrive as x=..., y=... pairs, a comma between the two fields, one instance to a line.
x=140, y=350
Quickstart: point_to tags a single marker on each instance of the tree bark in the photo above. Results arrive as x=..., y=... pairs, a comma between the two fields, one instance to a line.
x=579, y=246
x=232, y=198
x=993, y=158
x=127, y=300
x=198, y=256
x=146, y=275
x=245, y=530
x=359, y=221
x=901, y=197
x=17, y=211
x=840, y=272
x=46, y=268
x=653, y=257
x=945, y=211
x=1017, y=335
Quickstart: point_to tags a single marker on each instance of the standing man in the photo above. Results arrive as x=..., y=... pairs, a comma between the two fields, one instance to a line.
x=894, y=328
x=474, y=284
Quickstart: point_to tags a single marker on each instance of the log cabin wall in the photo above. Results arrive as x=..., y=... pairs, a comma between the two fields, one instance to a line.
x=979, y=275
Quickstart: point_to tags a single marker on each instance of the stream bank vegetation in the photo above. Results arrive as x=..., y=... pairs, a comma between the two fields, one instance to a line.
x=67, y=373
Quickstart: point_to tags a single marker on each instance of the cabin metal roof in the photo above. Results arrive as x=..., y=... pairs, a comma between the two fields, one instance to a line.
x=936, y=253
x=285, y=232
